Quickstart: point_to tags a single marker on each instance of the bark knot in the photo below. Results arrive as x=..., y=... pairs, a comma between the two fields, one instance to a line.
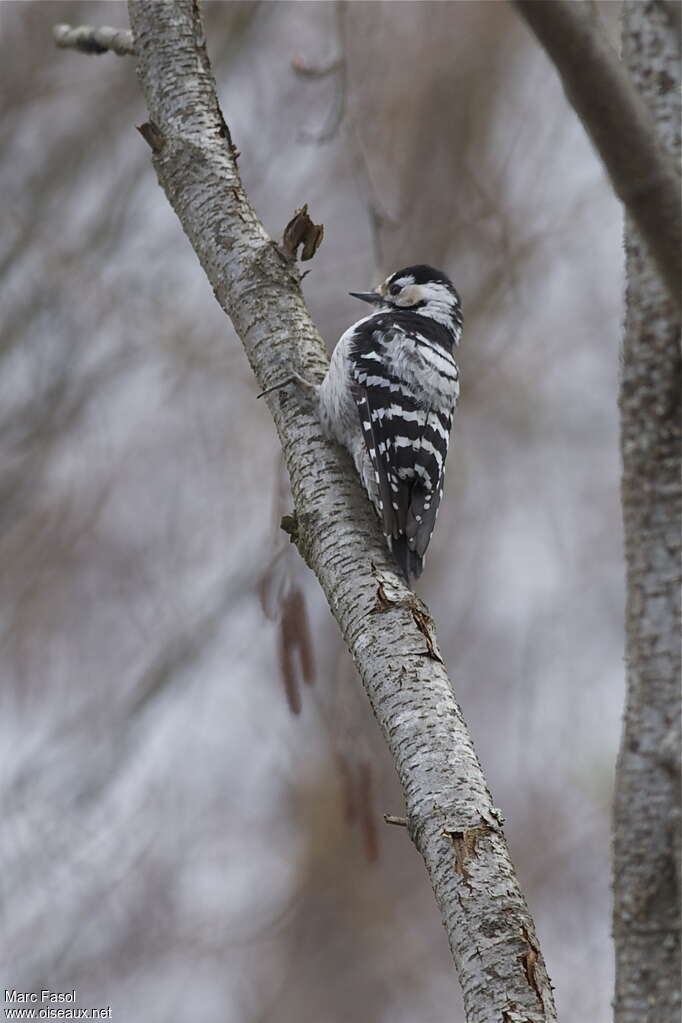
x=289, y=525
x=298, y=528
x=152, y=135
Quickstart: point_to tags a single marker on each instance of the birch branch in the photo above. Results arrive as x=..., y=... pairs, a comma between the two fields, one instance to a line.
x=617, y=119
x=391, y=636
x=87, y=39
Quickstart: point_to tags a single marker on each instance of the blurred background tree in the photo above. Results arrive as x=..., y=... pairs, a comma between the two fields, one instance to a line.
x=152, y=771
x=648, y=814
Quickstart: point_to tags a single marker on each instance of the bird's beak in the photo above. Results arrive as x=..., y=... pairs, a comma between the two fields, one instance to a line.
x=368, y=296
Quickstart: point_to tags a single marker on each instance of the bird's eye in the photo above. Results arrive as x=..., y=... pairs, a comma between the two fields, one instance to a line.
x=395, y=289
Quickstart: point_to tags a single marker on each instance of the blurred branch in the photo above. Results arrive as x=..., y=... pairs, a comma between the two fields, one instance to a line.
x=87, y=39
x=388, y=630
x=620, y=124
x=399, y=822
x=316, y=71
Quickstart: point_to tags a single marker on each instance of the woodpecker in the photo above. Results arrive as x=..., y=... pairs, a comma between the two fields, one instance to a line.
x=388, y=397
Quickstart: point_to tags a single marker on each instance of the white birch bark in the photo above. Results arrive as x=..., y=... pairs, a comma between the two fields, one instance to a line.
x=647, y=803
x=388, y=630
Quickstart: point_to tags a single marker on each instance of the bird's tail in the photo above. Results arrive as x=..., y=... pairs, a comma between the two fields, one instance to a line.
x=410, y=562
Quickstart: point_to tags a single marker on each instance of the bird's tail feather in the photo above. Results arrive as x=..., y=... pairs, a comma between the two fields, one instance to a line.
x=410, y=562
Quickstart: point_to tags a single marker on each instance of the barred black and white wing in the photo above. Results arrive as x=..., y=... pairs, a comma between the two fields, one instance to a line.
x=407, y=440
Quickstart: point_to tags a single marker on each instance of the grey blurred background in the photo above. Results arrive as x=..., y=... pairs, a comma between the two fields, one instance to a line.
x=175, y=843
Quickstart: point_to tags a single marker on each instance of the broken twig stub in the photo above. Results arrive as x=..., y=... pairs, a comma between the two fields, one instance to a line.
x=302, y=233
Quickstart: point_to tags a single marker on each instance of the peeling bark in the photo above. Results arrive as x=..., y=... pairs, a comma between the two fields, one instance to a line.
x=647, y=813
x=388, y=630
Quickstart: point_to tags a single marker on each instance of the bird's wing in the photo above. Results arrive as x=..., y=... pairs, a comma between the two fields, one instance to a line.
x=407, y=445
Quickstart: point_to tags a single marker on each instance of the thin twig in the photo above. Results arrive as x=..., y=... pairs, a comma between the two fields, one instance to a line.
x=88, y=39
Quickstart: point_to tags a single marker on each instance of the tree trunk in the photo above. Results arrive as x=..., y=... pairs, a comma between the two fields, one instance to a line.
x=647, y=801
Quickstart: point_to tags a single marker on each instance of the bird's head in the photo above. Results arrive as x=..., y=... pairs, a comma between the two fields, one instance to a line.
x=419, y=289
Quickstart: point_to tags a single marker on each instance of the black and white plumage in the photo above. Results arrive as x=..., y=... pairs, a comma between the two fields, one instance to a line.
x=389, y=396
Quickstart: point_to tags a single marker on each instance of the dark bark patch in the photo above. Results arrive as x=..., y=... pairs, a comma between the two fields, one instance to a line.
x=464, y=844
x=425, y=625
x=152, y=136
x=289, y=524
x=529, y=961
